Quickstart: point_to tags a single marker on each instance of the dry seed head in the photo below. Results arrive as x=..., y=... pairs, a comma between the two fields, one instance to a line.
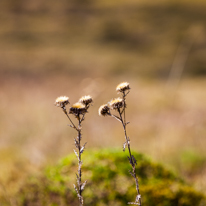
x=61, y=101
x=86, y=100
x=104, y=110
x=122, y=87
x=77, y=108
x=116, y=103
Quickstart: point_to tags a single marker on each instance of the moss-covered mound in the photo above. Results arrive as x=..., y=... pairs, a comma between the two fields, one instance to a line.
x=109, y=183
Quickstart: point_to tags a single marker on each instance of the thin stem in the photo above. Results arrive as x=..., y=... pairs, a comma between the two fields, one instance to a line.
x=80, y=162
x=131, y=157
x=65, y=111
x=82, y=119
x=79, y=114
x=125, y=134
x=117, y=118
x=124, y=98
x=78, y=145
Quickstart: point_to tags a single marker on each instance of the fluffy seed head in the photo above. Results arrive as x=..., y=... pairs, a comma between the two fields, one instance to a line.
x=77, y=108
x=104, y=110
x=116, y=103
x=86, y=100
x=61, y=101
x=122, y=87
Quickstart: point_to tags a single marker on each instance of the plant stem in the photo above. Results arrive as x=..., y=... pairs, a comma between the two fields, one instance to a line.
x=131, y=157
x=65, y=111
x=78, y=189
x=80, y=164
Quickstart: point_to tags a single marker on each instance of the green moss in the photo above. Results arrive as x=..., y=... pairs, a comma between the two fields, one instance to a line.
x=191, y=161
x=109, y=183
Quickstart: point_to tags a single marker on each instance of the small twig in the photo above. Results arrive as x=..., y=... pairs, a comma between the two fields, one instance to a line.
x=73, y=126
x=117, y=118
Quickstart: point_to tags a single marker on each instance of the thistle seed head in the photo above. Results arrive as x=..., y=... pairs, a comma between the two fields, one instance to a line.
x=77, y=109
x=61, y=101
x=116, y=103
x=104, y=110
x=86, y=100
x=122, y=87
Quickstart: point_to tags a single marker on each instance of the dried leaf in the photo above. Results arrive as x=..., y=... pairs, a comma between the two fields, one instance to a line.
x=76, y=189
x=128, y=141
x=78, y=179
x=138, y=198
x=134, y=160
x=133, y=203
x=131, y=173
x=130, y=160
x=83, y=185
x=70, y=125
x=80, y=197
x=124, y=146
x=76, y=143
x=82, y=149
x=76, y=154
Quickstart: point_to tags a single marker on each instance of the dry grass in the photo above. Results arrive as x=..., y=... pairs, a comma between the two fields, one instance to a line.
x=164, y=124
x=59, y=37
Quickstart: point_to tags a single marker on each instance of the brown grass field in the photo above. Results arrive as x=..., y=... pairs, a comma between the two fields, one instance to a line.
x=71, y=48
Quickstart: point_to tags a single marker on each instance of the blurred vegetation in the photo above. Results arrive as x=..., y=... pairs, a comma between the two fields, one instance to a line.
x=79, y=47
x=109, y=183
x=101, y=37
x=191, y=162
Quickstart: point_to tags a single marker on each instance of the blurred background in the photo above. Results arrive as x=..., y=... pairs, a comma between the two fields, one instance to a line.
x=86, y=47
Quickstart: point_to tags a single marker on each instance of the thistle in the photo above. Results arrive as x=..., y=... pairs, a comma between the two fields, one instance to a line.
x=86, y=100
x=118, y=105
x=79, y=110
x=104, y=110
x=61, y=101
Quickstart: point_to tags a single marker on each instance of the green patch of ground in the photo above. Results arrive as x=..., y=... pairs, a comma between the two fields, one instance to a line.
x=109, y=183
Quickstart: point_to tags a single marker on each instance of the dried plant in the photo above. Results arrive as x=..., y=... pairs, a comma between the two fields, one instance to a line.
x=79, y=110
x=119, y=106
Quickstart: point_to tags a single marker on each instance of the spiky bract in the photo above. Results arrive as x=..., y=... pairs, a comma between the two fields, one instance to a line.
x=104, y=110
x=86, y=100
x=116, y=103
x=77, y=109
x=61, y=101
x=122, y=87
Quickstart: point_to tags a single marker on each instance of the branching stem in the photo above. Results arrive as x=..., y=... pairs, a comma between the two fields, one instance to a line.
x=65, y=111
x=122, y=119
x=79, y=189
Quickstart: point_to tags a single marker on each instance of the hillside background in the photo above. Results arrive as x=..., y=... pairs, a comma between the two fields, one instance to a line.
x=80, y=47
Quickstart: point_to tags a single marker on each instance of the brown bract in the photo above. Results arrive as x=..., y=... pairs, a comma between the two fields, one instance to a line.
x=122, y=87
x=77, y=109
x=116, y=103
x=86, y=100
x=104, y=110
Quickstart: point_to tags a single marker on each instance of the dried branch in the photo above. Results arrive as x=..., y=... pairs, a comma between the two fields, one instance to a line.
x=119, y=105
x=79, y=110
